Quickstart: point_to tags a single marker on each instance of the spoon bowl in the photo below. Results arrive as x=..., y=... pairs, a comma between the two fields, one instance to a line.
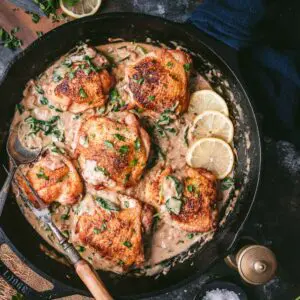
x=18, y=155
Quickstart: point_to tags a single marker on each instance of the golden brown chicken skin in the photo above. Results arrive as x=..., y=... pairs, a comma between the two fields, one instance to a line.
x=159, y=81
x=190, y=202
x=115, y=232
x=54, y=178
x=113, y=151
x=85, y=83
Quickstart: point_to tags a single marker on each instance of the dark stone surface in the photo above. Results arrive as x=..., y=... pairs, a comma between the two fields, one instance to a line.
x=275, y=219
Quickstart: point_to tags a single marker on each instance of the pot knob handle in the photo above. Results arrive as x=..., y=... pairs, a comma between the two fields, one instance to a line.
x=256, y=264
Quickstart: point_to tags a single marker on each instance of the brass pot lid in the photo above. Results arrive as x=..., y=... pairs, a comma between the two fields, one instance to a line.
x=256, y=264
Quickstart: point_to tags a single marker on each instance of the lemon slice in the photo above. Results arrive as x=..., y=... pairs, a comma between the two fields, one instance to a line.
x=207, y=100
x=81, y=8
x=212, y=123
x=211, y=154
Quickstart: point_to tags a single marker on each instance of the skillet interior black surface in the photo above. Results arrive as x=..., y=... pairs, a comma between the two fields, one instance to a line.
x=131, y=27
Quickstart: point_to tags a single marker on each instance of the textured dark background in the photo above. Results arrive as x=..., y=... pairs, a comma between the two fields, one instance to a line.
x=275, y=219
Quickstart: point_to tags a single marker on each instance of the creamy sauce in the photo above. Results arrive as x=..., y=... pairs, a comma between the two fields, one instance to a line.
x=167, y=241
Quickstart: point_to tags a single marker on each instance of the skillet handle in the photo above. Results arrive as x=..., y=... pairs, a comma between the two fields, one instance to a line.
x=92, y=281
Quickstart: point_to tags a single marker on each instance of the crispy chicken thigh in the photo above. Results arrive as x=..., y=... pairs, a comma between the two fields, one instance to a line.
x=54, y=178
x=159, y=80
x=81, y=82
x=113, y=151
x=115, y=228
x=189, y=202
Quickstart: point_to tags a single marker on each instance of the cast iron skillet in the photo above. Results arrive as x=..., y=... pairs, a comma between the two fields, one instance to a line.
x=132, y=27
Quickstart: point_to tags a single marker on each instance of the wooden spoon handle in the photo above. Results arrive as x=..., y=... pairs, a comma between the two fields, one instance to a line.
x=92, y=281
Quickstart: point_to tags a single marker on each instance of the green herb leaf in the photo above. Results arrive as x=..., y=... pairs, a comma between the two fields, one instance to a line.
x=227, y=183
x=127, y=244
x=103, y=170
x=191, y=188
x=174, y=205
x=151, y=97
x=187, y=67
x=67, y=62
x=185, y=136
x=124, y=149
x=137, y=144
x=178, y=184
x=107, y=204
x=126, y=179
x=70, y=2
x=39, y=33
x=65, y=217
x=133, y=163
x=190, y=235
x=39, y=89
x=81, y=248
x=121, y=262
x=96, y=230
x=119, y=137
x=20, y=108
x=108, y=144
x=170, y=64
x=44, y=100
x=34, y=17
x=41, y=174
x=9, y=39
x=56, y=77
x=82, y=93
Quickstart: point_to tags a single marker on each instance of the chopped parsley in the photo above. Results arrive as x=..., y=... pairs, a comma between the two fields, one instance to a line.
x=174, y=205
x=67, y=62
x=121, y=262
x=103, y=226
x=139, y=81
x=127, y=244
x=126, y=204
x=137, y=144
x=108, y=144
x=39, y=33
x=170, y=64
x=126, y=179
x=20, y=108
x=34, y=17
x=81, y=248
x=178, y=184
x=9, y=39
x=190, y=235
x=134, y=162
x=187, y=67
x=107, y=204
x=41, y=174
x=56, y=77
x=96, y=230
x=82, y=93
x=191, y=188
x=71, y=2
x=227, y=183
x=103, y=170
x=151, y=97
x=48, y=127
x=39, y=89
x=119, y=137
x=44, y=101
x=65, y=217
x=124, y=149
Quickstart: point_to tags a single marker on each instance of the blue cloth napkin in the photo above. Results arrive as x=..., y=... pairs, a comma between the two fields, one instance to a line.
x=271, y=75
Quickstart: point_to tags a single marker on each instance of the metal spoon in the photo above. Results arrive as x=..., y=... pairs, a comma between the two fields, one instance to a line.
x=18, y=155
